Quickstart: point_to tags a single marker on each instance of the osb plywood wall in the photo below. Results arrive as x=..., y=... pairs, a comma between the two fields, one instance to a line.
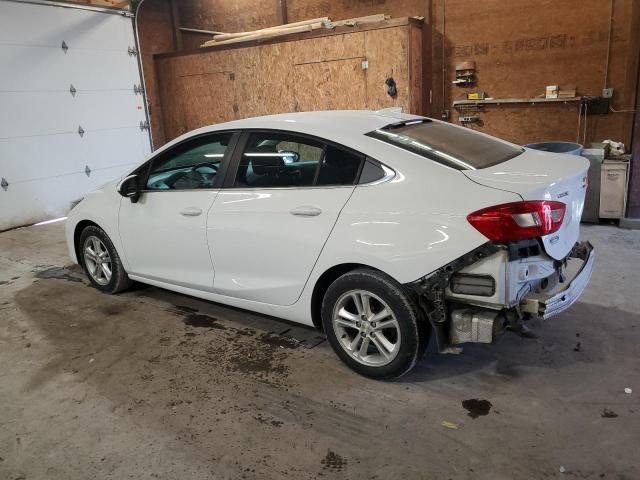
x=156, y=36
x=519, y=47
x=316, y=71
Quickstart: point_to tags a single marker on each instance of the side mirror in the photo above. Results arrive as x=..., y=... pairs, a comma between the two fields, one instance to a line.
x=130, y=188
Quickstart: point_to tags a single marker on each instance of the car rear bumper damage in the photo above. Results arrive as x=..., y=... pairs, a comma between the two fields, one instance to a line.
x=546, y=306
x=465, y=319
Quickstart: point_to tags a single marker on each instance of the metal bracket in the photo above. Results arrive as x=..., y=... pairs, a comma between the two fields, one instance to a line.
x=80, y=131
x=430, y=289
x=87, y=170
x=365, y=64
x=137, y=89
x=64, y=46
x=144, y=125
x=72, y=90
x=132, y=51
x=4, y=184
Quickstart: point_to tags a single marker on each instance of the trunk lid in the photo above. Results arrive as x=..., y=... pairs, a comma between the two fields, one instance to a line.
x=536, y=175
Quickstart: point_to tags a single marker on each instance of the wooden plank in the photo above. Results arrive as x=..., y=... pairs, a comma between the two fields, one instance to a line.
x=175, y=24
x=414, y=59
x=282, y=12
x=230, y=36
x=391, y=23
x=271, y=33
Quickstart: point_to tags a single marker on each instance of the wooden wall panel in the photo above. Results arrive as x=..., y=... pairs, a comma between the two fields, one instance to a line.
x=520, y=47
x=319, y=73
x=416, y=69
x=388, y=54
x=332, y=85
x=229, y=16
x=156, y=36
x=329, y=48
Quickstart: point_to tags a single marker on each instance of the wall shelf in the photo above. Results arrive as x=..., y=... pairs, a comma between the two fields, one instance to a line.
x=507, y=101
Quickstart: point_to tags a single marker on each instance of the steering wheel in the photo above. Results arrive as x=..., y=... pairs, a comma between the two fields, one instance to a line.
x=211, y=165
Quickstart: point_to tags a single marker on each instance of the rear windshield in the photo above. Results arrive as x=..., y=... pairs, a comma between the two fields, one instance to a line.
x=455, y=147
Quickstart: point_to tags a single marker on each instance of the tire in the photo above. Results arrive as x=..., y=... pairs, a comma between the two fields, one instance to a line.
x=98, y=241
x=406, y=338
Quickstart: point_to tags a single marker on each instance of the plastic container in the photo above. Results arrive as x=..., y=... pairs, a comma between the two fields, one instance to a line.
x=557, y=147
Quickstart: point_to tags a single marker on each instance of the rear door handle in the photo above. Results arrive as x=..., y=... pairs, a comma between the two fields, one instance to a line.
x=191, y=212
x=305, y=211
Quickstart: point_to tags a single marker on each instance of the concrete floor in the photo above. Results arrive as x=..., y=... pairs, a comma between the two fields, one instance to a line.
x=151, y=384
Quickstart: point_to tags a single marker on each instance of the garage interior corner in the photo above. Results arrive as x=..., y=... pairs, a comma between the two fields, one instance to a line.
x=153, y=384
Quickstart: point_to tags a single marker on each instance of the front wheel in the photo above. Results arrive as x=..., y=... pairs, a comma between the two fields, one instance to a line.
x=101, y=262
x=373, y=325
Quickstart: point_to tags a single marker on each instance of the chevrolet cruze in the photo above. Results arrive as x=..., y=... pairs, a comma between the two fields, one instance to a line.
x=383, y=229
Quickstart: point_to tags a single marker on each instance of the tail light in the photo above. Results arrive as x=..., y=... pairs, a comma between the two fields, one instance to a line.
x=515, y=221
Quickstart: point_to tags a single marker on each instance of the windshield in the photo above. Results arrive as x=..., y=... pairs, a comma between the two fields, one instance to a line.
x=456, y=147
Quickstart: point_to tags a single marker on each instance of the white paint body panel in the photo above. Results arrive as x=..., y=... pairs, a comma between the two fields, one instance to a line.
x=42, y=157
x=162, y=243
x=269, y=261
x=536, y=175
x=261, y=251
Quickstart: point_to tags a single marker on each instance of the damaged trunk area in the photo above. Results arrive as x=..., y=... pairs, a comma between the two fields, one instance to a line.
x=498, y=286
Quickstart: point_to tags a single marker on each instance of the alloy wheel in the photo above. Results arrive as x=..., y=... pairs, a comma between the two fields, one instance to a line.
x=366, y=328
x=97, y=260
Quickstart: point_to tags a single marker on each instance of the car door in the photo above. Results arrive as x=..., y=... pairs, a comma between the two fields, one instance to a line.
x=164, y=233
x=281, y=200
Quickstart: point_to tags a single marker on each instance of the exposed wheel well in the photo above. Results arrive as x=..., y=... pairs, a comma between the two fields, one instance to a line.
x=323, y=283
x=76, y=236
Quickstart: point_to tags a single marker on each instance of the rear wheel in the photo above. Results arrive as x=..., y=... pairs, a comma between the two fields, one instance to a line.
x=101, y=262
x=373, y=325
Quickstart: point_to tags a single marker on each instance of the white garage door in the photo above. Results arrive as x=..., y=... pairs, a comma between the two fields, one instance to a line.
x=72, y=114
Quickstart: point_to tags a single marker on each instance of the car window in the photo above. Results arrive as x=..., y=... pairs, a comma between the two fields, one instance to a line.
x=278, y=160
x=456, y=147
x=338, y=167
x=193, y=164
x=371, y=172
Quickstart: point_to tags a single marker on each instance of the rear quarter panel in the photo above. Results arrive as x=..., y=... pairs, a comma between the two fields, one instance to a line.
x=413, y=224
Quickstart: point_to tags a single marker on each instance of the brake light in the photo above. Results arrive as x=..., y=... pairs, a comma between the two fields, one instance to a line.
x=515, y=221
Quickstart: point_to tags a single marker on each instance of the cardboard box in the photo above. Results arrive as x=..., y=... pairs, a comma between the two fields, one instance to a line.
x=566, y=91
x=475, y=96
x=551, y=91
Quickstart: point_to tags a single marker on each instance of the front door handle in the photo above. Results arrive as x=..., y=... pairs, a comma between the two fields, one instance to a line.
x=305, y=211
x=191, y=212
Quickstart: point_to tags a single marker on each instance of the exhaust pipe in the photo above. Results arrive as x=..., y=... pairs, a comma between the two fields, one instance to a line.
x=474, y=326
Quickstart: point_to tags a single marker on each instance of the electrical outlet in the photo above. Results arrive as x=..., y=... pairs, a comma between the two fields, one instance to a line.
x=607, y=93
x=445, y=115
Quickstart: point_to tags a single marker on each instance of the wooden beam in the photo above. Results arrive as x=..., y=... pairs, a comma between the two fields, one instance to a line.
x=282, y=12
x=175, y=24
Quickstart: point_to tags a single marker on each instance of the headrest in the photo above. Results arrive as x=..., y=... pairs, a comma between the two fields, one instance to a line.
x=265, y=160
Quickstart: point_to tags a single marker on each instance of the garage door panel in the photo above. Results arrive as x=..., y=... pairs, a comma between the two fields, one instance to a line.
x=51, y=197
x=32, y=112
x=42, y=156
x=47, y=69
x=110, y=109
x=78, y=28
x=33, y=158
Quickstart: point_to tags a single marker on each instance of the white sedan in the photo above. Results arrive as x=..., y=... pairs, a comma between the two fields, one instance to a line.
x=381, y=228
